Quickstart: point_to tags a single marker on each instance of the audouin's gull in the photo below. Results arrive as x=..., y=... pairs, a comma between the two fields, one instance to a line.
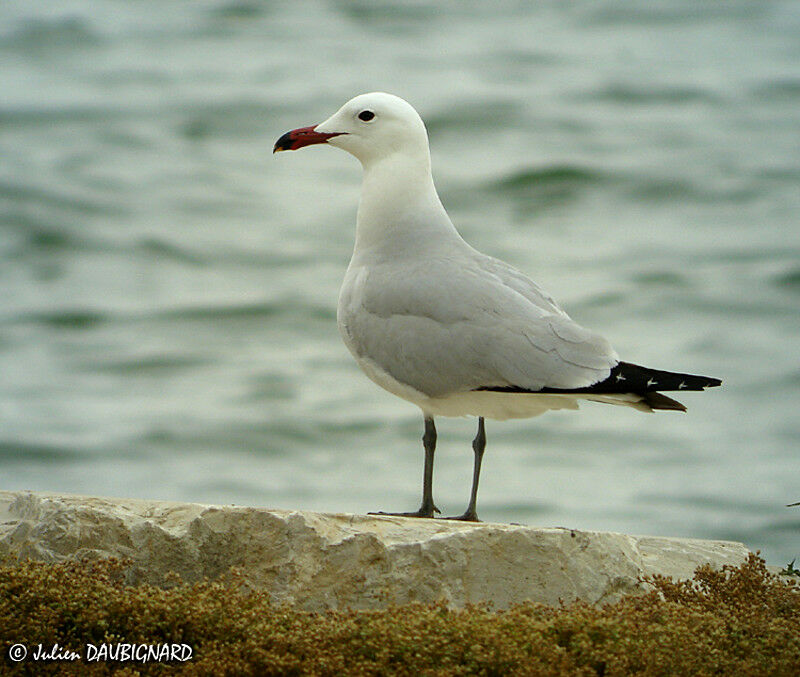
x=454, y=331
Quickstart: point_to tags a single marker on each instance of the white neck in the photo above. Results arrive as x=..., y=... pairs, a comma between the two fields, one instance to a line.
x=400, y=211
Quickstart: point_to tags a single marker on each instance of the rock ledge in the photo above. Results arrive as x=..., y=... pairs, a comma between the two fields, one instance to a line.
x=318, y=561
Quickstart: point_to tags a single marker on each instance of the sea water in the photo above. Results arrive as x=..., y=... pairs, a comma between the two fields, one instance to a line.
x=168, y=286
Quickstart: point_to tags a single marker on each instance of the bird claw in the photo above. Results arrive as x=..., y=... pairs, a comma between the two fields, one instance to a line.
x=427, y=514
x=466, y=517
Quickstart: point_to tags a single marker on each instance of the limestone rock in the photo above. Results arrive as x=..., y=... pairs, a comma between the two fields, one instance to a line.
x=319, y=561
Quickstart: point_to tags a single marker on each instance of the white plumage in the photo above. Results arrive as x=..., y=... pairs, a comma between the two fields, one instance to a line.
x=434, y=321
x=475, y=331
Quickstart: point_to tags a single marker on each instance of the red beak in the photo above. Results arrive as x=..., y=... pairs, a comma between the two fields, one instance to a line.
x=305, y=136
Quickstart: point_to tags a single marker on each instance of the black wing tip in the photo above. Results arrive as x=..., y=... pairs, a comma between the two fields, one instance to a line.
x=644, y=379
x=626, y=377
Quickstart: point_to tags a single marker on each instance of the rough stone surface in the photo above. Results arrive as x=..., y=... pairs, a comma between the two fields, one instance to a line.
x=319, y=561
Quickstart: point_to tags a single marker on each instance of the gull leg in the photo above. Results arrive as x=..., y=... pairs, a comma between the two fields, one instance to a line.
x=427, y=509
x=478, y=447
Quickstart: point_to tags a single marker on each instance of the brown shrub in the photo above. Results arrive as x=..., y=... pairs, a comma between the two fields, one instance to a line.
x=738, y=621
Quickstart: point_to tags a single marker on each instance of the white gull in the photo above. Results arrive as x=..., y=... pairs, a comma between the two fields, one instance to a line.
x=439, y=324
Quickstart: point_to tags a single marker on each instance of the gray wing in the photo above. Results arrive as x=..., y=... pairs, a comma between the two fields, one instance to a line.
x=447, y=325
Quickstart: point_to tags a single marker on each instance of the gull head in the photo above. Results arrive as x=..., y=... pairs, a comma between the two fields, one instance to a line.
x=369, y=126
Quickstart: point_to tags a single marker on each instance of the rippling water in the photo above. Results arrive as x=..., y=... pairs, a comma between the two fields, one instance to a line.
x=167, y=324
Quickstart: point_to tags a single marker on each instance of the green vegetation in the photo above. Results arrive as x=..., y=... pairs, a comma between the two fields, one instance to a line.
x=790, y=569
x=738, y=621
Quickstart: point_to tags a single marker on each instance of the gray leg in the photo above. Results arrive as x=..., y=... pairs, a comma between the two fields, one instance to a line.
x=427, y=509
x=478, y=447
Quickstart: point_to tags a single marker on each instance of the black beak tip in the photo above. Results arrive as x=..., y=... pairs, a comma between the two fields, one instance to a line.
x=284, y=143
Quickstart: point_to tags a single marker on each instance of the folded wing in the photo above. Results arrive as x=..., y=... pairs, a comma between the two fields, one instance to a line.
x=453, y=325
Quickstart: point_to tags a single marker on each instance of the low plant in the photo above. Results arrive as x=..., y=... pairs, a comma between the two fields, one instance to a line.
x=741, y=620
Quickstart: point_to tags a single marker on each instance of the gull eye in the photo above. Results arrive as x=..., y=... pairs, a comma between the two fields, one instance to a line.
x=366, y=115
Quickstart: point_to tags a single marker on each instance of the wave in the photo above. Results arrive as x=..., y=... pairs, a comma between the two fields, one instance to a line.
x=383, y=14
x=564, y=182
x=239, y=10
x=257, y=310
x=38, y=33
x=707, y=501
x=779, y=89
x=547, y=186
x=27, y=194
x=88, y=318
x=271, y=438
x=661, y=278
x=662, y=14
x=473, y=115
x=161, y=249
x=788, y=280
x=48, y=115
x=554, y=174
x=36, y=235
x=153, y=364
x=674, y=188
x=650, y=94
x=11, y=450
x=67, y=319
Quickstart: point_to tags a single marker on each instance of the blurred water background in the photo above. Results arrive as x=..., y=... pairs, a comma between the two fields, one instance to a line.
x=168, y=287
